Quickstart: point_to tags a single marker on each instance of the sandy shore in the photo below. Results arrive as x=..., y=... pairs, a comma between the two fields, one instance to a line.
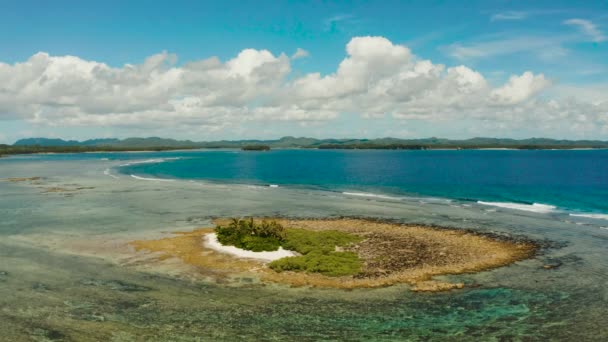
x=391, y=254
x=210, y=241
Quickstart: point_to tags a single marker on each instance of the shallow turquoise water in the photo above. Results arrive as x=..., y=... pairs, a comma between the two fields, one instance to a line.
x=52, y=289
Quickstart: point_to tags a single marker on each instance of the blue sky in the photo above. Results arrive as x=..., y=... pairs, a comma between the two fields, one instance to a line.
x=563, y=44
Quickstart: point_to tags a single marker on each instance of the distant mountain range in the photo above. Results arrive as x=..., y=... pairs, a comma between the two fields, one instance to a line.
x=293, y=142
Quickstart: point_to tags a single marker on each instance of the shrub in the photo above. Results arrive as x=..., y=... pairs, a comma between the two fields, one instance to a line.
x=318, y=248
x=305, y=241
x=260, y=244
x=247, y=234
x=256, y=148
x=333, y=264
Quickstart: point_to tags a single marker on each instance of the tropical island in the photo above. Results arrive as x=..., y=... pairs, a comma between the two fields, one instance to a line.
x=338, y=253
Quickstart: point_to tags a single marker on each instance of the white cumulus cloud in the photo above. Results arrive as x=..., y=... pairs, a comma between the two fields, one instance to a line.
x=520, y=88
x=300, y=53
x=376, y=79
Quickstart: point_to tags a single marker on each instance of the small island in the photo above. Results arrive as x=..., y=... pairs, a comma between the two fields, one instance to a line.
x=313, y=251
x=255, y=148
x=338, y=253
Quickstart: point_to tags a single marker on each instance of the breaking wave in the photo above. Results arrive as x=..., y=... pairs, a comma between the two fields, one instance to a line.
x=372, y=195
x=152, y=179
x=534, y=207
x=149, y=161
x=593, y=216
x=107, y=173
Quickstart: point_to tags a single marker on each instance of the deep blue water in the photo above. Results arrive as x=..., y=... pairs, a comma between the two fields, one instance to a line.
x=571, y=180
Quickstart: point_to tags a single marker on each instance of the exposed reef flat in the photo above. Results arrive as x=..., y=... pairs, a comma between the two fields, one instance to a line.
x=21, y=179
x=64, y=189
x=47, y=187
x=391, y=253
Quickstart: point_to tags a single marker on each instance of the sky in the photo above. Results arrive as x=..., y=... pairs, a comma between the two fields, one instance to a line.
x=208, y=70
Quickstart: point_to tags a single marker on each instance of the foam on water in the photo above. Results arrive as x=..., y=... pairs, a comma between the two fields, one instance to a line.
x=149, y=161
x=534, y=207
x=592, y=216
x=372, y=195
x=152, y=179
x=421, y=200
x=257, y=187
x=107, y=173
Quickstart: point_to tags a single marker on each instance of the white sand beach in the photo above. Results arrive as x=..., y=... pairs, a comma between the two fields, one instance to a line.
x=210, y=241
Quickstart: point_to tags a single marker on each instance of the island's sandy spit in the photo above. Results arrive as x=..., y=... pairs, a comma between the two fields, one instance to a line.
x=210, y=241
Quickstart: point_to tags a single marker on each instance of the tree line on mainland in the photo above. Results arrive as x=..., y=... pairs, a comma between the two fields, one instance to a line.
x=45, y=145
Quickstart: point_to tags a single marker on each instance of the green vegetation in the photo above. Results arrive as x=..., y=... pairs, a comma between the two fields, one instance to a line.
x=319, y=255
x=306, y=241
x=318, y=248
x=249, y=235
x=333, y=264
x=256, y=148
x=457, y=146
x=372, y=146
x=40, y=145
x=28, y=149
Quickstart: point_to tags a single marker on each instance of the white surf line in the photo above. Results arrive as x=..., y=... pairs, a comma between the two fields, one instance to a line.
x=150, y=161
x=107, y=173
x=371, y=195
x=152, y=179
x=535, y=207
x=211, y=241
x=592, y=216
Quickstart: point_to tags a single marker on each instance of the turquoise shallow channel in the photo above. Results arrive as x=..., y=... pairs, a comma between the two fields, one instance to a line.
x=66, y=273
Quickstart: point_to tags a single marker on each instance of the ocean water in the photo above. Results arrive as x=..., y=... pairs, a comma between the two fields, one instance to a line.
x=575, y=181
x=66, y=273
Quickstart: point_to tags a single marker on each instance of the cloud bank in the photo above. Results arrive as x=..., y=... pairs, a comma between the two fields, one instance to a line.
x=376, y=79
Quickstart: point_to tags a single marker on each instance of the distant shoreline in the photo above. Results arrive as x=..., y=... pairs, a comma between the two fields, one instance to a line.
x=24, y=150
x=36, y=145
